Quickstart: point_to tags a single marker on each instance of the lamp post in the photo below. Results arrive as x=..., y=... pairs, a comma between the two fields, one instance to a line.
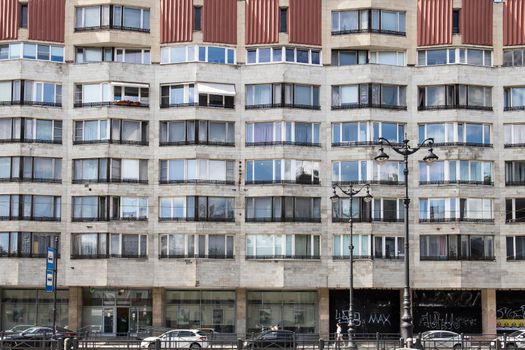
x=406, y=150
x=351, y=192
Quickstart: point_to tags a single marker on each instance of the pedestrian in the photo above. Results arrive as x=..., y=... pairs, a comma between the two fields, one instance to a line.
x=338, y=332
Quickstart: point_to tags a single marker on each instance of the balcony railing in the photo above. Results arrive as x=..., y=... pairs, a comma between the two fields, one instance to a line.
x=29, y=218
x=366, y=220
x=196, y=104
x=467, y=220
x=36, y=180
x=460, y=144
x=282, y=182
x=295, y=219
x=282, y=143
x=516, y=220
x=514, y=145
x=93, y=181
x=113, y=142
x=134, y=104
x=197, y=182
x=515, y=183
x=457, y=258
x=516, y=258
x=197, y=256
x=111, y=27
x=368, y=105
x=456, y=182
x=372, y=182
x=355, y=256
x=514, y=108
x=130, y=218
x=102, y=219
x=203, y=143
x=89, y=256
x=25, y=255
x=360, y=143
x=129, y=256
x=368, y=30
x=283, y=257
x=16, y=140
x=187, y=219
x=31, y=103
x=283, y=105
x=446, y=107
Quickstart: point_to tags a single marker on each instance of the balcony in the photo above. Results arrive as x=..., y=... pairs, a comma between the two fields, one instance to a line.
x=17, y=140
x=31, y=103
x=196, y=143
x=368, y=30
x=448, y=107
x=283, y=105
x=134, y=104
x=111, y=142
x=104, y=181
x=344, y=106
x=111, y=27
x=198, y=104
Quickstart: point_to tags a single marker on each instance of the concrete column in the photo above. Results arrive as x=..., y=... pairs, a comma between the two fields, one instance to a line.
x=324, y=312
x=488, y=311
x=240, y=311
x=75, y=308
x=497, y=34
x=159, y=307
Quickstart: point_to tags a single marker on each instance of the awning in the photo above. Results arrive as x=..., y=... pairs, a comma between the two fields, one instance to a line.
x=137, y=85
x=216, y=89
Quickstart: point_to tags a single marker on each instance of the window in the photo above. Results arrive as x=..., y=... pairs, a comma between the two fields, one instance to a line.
x=28, y=92
x=283, y=209
x=456, y=15
x=282, y=246
x=462, y=55
x=349, y=57
x=388, y=210
x=351, y=172
x=192, y=208
x=282, y=171
x=30, y=130
x=30, y=207
x=515, y=247
x=282, y=95
x=89, y=245
x=27, y=244
x=110, y=54
x=23, y=15
x=39, y=52
x=200, y=94
x=211, y=246
x=389, y=247
x=120, y=94
x=110, y=170
x=130, y=208
x=365, y=133
x=368, y=96
x=452, y=134
x=175, y=171
x=31, y=169
x=209, y=54
x=118, y=131
x=514, y=98
x=361, y=210
x=455, y=96
x=456, y=247
x=361, y=243
x=515, y=210
x=514, y=135
x=112, y=17
x=368, y=21
x=278, y=54
x=283, y=20
x=455, y=209
x=513, y=58
x=282, y=133
x=391, y=58
x=128, y=245
x=514, y=173
x=456, y=172
x=189, y=132
x=197, y=18
x=90, y=208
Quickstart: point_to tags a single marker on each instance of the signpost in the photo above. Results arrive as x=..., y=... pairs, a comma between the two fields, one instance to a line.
x=51, y=280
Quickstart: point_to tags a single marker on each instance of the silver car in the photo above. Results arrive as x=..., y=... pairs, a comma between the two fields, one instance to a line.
x=514, y=340
x=443, y=340
x=192, y=339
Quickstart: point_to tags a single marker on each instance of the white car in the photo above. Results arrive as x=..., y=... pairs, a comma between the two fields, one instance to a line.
x=443, y=340
x=178, y=339
x=514, y=340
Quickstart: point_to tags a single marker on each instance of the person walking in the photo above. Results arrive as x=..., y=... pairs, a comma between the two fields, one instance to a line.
x=338, y=336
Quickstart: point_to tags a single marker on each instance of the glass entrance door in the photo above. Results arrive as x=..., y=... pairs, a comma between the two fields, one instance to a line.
x=108, y=321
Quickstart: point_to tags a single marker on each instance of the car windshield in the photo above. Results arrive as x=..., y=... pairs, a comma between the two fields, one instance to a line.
x=515, y=334
x=20, y=328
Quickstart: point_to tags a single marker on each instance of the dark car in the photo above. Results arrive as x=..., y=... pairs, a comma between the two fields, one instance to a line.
x=35, y=337
x=272, y=340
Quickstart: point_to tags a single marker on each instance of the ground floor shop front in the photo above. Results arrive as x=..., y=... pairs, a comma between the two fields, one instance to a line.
x=124, y=311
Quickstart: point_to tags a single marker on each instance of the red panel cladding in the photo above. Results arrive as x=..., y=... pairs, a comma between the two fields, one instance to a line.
x=219, y=21
x=47, y=20
x=176, y=21
x=9, y=14
x=514, y=22
x=304, y=25
x=476, y=22
x=434, y=22
x=262, y=21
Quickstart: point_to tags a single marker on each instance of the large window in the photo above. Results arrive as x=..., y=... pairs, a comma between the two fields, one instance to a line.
x=353, y=57
x=119, y=131
x=283, y=209
x=455, y=209
x=130, y=208
x=282, y=133
x=90, y=245
x=514, y=210
x=209, y=54
x=301, y=55
x=112, y=17
x=30, y=130
x=193, y=208
x=29, y=92
x=366, y=133
x=27, y=244
x=514, y=98
x=204, y=309
x=31, y=169
x=515, y=247
x=173, y=171
x=200, y=132
x=198, y=94
x=456, y=172
x=112, y=54
x=114, y=93
x=90, y=208
x=515, y=173
x=362, y=245
x=361, y=210
x=32, y=51
x=362, y=171
x=279, y=95
x=513, y=58
x=368, y=21
x=128, y=245
x=469, y=56
x=514, y=135
x=211, y=246
x=388, y=210
x=456, y=247
x=368, y=96
x=30, y=207
x=457, y=96
x=277, y=246
x=279, y=171
x=457, y=134
x=110, y=170
x=389, y=247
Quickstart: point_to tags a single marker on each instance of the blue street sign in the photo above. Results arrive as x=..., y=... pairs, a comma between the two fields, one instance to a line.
x=50, y=279
x=50, y=259
x=50, y=270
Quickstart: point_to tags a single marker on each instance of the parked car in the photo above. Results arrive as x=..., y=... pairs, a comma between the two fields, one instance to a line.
x=15, y=330
x=443, y=340
x=177, y=339
x=514, y=340
x=279, y=339
x=35, y=336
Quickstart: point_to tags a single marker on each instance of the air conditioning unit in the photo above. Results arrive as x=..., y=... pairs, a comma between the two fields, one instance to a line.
x=499, y=1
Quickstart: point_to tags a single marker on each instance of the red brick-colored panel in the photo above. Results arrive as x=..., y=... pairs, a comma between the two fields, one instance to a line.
x=9, y=12
x=262, y=21
x=219, y=21
x=514, y=22
x=47, y=20
x=476, y=22
x=434, y=22
x=176, y=21
x=304, y=25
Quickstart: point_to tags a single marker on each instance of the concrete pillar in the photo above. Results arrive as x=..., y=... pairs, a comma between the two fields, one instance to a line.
x=159, y=307
x=75, y=308
x=488, y=311
x=240, y=311
x=324, y=312
x=497, y=34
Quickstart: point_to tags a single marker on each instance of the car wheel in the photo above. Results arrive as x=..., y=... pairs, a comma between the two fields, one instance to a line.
x=195, y=346
x=457, y=347
x=151, y=346
x=511, y=346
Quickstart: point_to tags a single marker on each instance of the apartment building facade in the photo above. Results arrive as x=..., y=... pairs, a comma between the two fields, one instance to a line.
x=184, y=152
